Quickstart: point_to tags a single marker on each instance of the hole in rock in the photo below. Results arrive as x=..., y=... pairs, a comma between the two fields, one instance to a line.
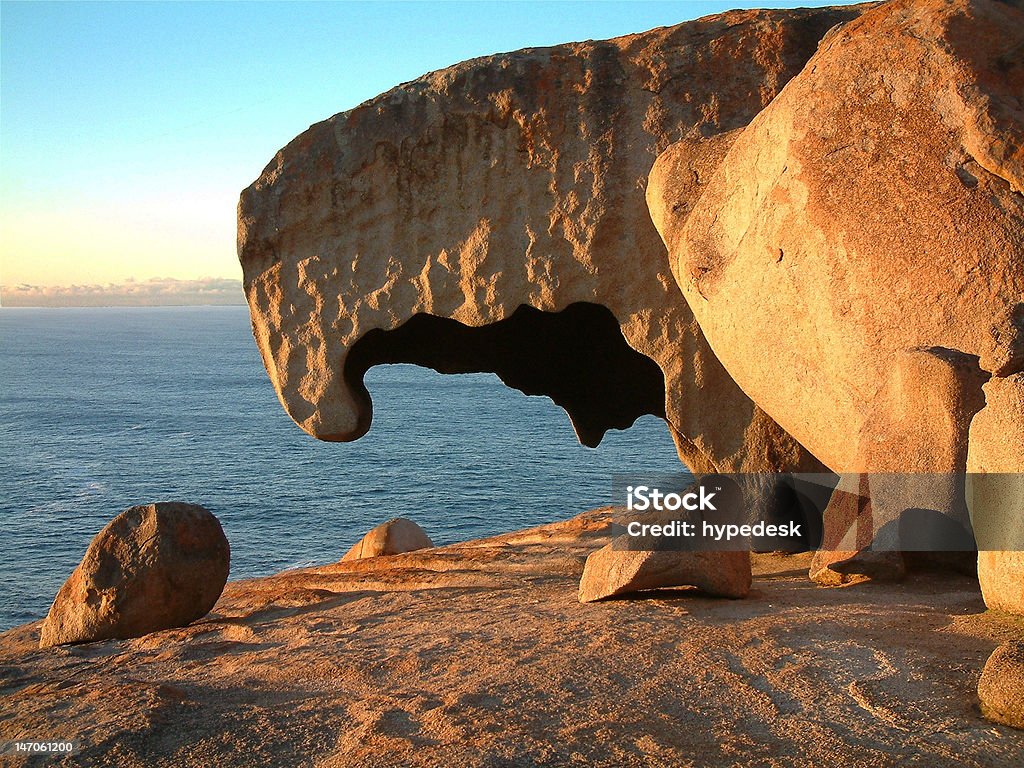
x=577, y=357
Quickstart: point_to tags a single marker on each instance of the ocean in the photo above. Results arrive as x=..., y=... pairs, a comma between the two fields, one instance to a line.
x=105, y=408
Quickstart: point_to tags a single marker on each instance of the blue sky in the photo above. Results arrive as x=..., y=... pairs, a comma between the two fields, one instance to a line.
x=127, y=130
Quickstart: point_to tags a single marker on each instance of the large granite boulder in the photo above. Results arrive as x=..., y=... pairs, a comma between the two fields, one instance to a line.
x=855, y=256
x=394, y=537
x=152, y=567
x=491, y=217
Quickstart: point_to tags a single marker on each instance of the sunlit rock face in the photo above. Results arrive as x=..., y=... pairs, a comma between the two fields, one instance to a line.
x=152, y=567
x=870, y=223
x=514, y=181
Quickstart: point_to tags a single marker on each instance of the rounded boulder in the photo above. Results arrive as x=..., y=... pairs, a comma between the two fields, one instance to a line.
x=1001, y=688
x=152, y=567
x=391, y=538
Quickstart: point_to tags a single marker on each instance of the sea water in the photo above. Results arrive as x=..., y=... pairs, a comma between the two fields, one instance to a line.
x=104, y=408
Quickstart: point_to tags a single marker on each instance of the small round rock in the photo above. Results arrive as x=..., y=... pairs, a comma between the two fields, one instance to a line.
x=153, y=567
x=1001, y=689
x=394, y=537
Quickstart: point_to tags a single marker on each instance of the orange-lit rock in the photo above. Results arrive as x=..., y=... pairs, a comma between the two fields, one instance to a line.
x=855, y=256
x=511, y=181
x=152, y=567
x=390, y=538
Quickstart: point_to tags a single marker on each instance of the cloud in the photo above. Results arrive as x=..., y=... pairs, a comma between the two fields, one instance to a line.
x=158, y=291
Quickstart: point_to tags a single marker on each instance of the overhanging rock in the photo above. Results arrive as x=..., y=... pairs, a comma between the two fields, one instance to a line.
x=491, y=216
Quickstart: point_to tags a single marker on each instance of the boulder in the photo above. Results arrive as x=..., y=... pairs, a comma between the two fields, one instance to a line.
x=614, y=570
x=838, y=568
x=491, y=217
x=1001, y=688
x=995, y=461
x=855, y=255
x=152, y=567
x=845, y=557
x=391, y=538
x=1001, y=575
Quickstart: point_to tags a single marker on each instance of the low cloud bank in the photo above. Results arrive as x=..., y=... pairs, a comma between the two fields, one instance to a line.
x=159, y=291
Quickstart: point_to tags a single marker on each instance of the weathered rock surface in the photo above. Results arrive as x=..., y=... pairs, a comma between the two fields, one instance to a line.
x=152, y=567
x=838, y=568
x=995, y=492
x=1001, y=688
x=391, y=538
x=870, y=223
x=479, y=201
x=1001, y=574
x=614, y=571
x=845, y=556
x=417, y=661
x=870, y=220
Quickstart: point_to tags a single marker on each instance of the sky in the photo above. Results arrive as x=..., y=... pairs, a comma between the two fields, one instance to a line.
x=127, y=130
